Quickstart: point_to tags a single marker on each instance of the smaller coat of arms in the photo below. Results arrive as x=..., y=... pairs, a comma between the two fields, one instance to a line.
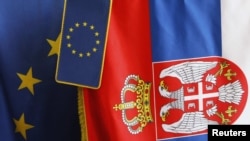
x=135, y=104
x=190, y=94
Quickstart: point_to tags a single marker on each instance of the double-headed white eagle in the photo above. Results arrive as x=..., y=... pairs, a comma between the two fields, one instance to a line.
x=193, y=72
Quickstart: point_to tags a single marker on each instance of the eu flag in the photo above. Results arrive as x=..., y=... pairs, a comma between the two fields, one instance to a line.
x=84, y=29
x=33, y=107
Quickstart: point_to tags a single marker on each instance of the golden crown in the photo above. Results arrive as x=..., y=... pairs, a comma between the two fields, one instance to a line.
x=141, y=104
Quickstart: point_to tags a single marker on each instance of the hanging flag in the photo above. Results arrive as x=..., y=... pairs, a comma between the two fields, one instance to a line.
x=235, y=42
x=33, y=107
x=123, y=108
x=195, y=85
x=83, y=42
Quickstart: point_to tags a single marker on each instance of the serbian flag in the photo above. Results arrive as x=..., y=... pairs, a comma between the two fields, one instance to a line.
x=200, y=66
x=123, y=107
x=198, y=72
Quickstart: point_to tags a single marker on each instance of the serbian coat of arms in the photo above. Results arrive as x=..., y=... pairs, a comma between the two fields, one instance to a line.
x=191, y=94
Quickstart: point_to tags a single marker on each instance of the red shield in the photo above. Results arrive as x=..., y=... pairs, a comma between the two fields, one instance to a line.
x=214, y=87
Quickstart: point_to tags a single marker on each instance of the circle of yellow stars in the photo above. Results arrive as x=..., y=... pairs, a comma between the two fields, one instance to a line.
x=79, y=53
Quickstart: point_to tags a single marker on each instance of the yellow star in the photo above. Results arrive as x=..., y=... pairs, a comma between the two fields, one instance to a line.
x=77, y=24
x=92, y=27
x=94, y=49
x=69, y=45
x=73, y=51
x=80, y=55
x=21, y=126
x=85, y=23
x=71, y=29
x=88, y=54
x=68, y=37
x=97, y=42
x=28, y=81
x=55, y=45
x=96, y=34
